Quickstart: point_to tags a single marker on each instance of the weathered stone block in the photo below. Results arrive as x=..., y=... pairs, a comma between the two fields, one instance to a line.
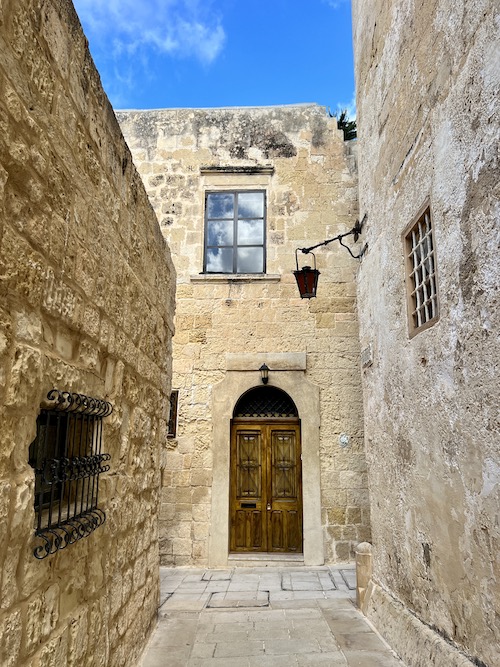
x=200, y=477
x=34, y=615
x=353, y=480
x=28, y=327
x=350, y=533
x=10, y=637
x=200, y=494
x=200, y=551
x=337, y=515
x=50, y=610
x=200, y=531
x=201, y=513
x=55, y=652
x=182, y=546
x=354, y=515
x=343, y=551
x=25, y=377
x=10, y=589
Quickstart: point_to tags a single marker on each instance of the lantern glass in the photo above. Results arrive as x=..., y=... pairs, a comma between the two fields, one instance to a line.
x=307, y=282
x=264, y=373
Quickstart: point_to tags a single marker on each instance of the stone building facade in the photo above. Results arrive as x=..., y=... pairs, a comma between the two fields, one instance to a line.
x=290, y=169
x=86, y=306
x=428, y=84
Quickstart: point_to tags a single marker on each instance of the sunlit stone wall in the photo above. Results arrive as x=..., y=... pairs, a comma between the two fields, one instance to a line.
x=297, y=155
x=428, y=76
x=86, y=305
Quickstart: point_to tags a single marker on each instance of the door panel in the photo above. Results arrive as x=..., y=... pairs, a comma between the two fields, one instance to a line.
x=249, y=464
x=247, y=478
x=266, y=488
x=277, y=531
x=285, y=529
x=283, y=464
x=247, y=530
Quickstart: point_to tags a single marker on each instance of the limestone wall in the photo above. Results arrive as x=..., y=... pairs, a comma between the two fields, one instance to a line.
x=428, y=77
x=86, y=305
x=298, y=157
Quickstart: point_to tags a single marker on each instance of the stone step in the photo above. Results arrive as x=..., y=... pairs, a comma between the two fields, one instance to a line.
x=265, y=560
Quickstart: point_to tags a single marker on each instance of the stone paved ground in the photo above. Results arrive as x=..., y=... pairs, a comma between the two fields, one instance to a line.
x=258, y=617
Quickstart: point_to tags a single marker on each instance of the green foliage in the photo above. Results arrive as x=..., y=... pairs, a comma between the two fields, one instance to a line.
x=347, y=125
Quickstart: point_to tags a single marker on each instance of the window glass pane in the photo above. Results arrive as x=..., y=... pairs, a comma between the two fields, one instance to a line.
x=219, y=260
x=220, y=232
x=250, y=260
x=220, y=205
x=250, y=232
x=251, y=205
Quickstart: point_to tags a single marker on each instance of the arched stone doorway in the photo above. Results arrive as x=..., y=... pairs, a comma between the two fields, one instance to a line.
x=288, y=372
x=265, y=512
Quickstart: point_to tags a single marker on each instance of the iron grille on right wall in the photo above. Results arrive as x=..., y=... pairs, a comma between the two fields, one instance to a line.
x=421, y=279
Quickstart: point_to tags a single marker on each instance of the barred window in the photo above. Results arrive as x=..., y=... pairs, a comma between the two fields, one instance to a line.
x=172, y=416
x=421, y=279
x=235, y=232
x=67, y=457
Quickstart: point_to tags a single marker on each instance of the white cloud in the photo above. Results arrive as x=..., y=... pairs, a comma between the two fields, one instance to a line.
x=335, y=4
x=182, y=28
x=349, y=106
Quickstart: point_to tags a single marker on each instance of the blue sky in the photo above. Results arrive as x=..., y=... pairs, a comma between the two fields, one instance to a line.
x=216, y=53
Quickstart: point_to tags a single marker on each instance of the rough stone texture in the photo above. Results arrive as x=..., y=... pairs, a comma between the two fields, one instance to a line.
x=86, y=304
x=417, y=644
x=298, y=156
x=428, y=78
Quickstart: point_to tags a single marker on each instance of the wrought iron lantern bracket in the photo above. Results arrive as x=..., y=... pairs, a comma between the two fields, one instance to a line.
x=307, y=277
x=355, y=232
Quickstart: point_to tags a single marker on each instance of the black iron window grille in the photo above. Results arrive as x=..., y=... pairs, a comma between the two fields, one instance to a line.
x=265, y=402
x=68, y=459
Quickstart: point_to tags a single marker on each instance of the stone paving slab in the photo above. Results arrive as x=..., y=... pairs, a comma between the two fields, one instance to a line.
x=263, y=617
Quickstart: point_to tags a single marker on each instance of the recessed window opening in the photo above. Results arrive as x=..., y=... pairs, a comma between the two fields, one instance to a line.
x=67, y=457
x=235, y=232
x=421, y=274
x=172, y=416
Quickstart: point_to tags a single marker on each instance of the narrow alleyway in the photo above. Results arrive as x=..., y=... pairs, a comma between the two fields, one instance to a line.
x=257, y=617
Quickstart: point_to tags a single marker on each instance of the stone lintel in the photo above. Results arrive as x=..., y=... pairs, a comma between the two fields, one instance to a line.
x=286, y=361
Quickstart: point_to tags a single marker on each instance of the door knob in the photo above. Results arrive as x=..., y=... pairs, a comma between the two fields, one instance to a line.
x=268, y=507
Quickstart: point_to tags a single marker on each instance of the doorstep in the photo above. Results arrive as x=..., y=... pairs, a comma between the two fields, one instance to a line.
x=265, y=560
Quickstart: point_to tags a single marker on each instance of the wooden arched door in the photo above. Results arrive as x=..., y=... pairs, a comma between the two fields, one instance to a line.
x=266, y=474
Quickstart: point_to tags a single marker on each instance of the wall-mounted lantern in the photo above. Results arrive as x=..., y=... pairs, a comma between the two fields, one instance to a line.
x=264, y=373
x=307, y=277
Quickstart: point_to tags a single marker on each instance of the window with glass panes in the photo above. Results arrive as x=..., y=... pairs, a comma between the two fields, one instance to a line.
x=235, y=232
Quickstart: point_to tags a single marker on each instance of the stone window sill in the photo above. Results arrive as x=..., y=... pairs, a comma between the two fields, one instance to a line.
x=235, y=278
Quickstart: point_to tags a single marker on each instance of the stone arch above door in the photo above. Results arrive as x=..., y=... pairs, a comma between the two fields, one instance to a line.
x=287, y=372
